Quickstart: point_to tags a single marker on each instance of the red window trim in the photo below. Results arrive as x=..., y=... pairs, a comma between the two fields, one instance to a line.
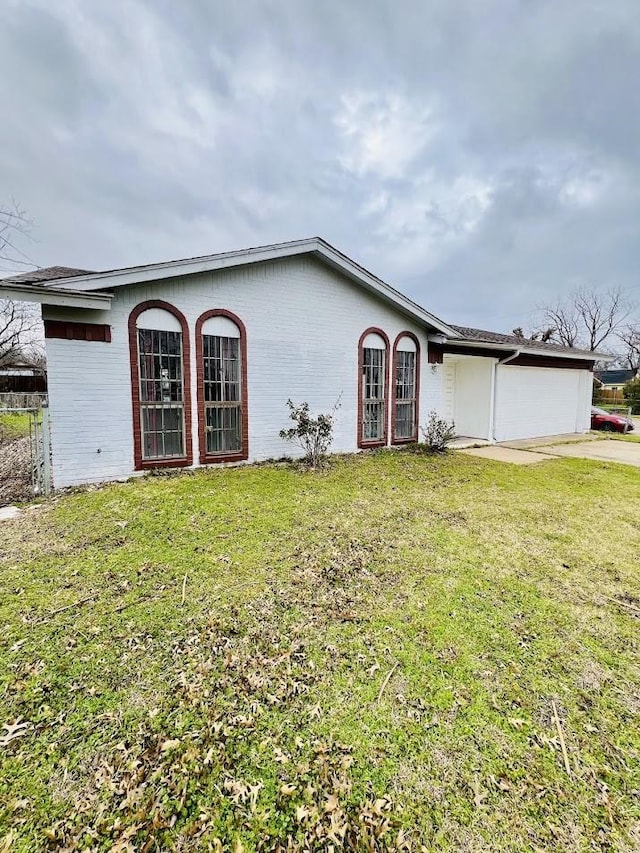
x=71, y=331
x=208, y=458
x=373, y=330
x=183, y=461
x=414, y=436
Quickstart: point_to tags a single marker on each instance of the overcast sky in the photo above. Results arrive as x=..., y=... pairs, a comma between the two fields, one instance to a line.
x=482, y=156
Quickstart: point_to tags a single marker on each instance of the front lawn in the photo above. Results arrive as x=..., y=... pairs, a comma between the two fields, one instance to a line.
x=629, y=436
x=403, y=653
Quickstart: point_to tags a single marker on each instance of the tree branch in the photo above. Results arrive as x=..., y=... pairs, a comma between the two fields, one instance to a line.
x=629, y=337
x=587, y=317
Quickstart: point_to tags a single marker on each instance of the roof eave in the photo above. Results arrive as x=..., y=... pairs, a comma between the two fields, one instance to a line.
x=315, y=246
x=523, y=348
x=63, y=298
x=171, y=269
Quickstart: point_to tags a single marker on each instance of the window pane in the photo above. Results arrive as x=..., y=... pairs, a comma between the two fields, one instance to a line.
x=150, y=446
x=373, y=421
x=171, y=419
x=222, y=394
x=173, y=443
x=405, y=420
x=231, y=390
x=161, y=393
x=405, y=375
x=162, y=431
x=223, y=429
x=405, y=379
x=373, y=393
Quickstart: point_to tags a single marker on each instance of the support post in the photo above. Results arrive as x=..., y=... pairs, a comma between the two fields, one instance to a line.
x=46, y=451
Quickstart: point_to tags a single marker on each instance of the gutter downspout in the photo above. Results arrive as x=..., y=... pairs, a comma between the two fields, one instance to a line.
x=494, y=376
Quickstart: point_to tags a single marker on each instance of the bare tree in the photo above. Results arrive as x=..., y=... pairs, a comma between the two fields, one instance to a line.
x=601, y=314
x=587, y=318
x=564, y=320
x=18, y=323
x=629, y=337
x=18, y=320
x=13, y=222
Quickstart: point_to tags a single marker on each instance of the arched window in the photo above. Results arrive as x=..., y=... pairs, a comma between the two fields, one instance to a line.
x=221, y=352
x=373, y=358
x=406, y=388
x=159, y=353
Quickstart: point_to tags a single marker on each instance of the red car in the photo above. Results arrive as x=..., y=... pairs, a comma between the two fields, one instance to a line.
x=609, y=422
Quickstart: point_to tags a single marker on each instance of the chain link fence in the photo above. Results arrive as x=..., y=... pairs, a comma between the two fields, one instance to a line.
x=25, y=448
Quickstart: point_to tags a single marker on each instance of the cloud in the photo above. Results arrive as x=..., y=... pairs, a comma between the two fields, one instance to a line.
x=382, y=134
x=482, y=157
x=418, y=228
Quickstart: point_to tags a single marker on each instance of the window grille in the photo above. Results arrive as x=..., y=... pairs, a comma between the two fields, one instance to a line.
x=373, y=394
x=222, y=394
x=405, y=379
x=161, y=394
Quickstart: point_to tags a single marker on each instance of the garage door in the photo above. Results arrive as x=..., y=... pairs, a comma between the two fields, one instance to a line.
x=539, y=401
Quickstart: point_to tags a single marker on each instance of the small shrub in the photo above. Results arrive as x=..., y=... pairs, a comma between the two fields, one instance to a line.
x=632, y=395
x=313, y=435
x=437, y=433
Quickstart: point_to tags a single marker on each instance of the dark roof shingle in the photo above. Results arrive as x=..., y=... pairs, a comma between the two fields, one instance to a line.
x=615, y=377
x=45, y=274
x=483, y=336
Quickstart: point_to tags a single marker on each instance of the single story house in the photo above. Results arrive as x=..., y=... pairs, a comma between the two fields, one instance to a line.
x=191, y=362
x=614, y=380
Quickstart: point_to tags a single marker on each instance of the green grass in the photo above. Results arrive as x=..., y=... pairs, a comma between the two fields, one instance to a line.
x=248, y=707
x=13, y=425
x=618, y=436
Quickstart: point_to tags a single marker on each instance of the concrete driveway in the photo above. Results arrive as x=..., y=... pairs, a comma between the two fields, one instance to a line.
x=607, y=450
x=513, y=455
x=529, y=452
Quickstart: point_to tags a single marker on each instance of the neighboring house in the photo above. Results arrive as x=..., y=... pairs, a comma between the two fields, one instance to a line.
x=191, y=362
x=20, y=377
x=614, y=380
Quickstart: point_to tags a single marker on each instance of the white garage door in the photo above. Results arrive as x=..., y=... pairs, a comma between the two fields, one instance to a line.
x=539, y=401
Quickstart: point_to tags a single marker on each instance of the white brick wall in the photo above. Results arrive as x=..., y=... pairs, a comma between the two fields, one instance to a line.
x=303, y=323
